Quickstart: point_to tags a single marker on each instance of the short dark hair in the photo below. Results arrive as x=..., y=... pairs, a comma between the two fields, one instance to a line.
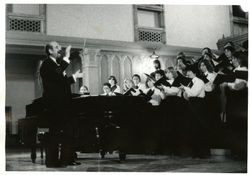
x=136, y=75
x=159, y=72
x=181, y=55
x=210, y=55
x=183, y=60
x=208, y=49
x=207, y=64
x=230, y=46
x=157, y=62
x=112, y=77
x=173, y=71
x=107, y=84
x=242, y=58
x=191, y=68
x=47, y=48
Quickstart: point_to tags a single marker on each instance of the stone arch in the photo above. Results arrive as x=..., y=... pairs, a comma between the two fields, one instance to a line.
x=115, y=68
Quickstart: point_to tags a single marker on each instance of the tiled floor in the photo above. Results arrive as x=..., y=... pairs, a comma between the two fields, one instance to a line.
x=17, y=160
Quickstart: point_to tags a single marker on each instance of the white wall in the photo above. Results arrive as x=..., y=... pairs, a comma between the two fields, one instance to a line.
x=111, y=22
x=19, y=92
x=196, y=26
x=20, y=88
x=32, y=9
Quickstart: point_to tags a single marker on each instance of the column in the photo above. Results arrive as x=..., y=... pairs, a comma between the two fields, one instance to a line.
x=38, y=80
x=90, y=69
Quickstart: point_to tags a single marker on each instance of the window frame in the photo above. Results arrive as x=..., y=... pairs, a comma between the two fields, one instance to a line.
x=154, y=8
x=41, y=17
x=237, y=20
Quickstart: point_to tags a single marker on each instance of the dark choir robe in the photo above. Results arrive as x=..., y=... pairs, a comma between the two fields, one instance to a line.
x=198, y=135
x=56, y=87
x=116, y=90
x=224, y=65
x=113, y=88
x=212, y=103
x=174, y=137
x=181, y=79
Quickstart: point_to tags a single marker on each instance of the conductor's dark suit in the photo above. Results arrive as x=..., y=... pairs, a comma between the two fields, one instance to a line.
x=57, y=98
x=56, y=85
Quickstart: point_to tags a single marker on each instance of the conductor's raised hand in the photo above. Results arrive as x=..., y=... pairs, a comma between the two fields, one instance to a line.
x=78, y=73
x=67, y=51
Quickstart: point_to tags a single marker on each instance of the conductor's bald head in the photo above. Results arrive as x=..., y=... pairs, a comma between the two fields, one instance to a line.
x=53, y=49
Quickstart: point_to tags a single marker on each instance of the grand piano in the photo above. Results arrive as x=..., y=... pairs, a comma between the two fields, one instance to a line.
x=130, y=124
x=101, y=124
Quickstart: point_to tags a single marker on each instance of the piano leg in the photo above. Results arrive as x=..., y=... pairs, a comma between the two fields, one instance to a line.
x=122, y=156
x=33, y=153
x=33, y=133
x=102, y=153
x=41, y=152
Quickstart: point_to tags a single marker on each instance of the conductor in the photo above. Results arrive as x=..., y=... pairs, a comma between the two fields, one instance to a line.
x=57, y=100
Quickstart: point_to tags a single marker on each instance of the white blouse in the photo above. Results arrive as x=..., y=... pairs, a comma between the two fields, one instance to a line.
x=157, y=96
x=238, y=84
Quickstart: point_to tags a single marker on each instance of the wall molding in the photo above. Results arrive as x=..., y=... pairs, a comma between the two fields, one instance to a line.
x=30, y=43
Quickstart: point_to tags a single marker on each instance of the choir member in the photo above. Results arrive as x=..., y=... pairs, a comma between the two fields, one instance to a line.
x=211, y=93
x=172, y=118
x=195, y=93
x=239, y=62
x=84, y=91
x=155, y=98
x=139, y=86
x=160, y=80
x=128, y=84
x=128, y=87
x=181, y=63
x=224, y=59
x=157, y=66
x=156, y=95
x=114, y=87
x=229, y=50
x=172, y=89
x=208, y=75
x=206, y=50
x=196, y=87
x=228, y=69
x=107, y=90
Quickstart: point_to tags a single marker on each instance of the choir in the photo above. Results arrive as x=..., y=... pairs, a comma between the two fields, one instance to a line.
x=201, y=78
x=188, y=101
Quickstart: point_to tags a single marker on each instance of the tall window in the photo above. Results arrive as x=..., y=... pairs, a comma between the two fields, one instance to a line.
x=239, y=20
x=25, y=18
x=149, y=23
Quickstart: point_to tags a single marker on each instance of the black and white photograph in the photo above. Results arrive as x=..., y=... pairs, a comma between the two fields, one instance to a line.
x=139, y=87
